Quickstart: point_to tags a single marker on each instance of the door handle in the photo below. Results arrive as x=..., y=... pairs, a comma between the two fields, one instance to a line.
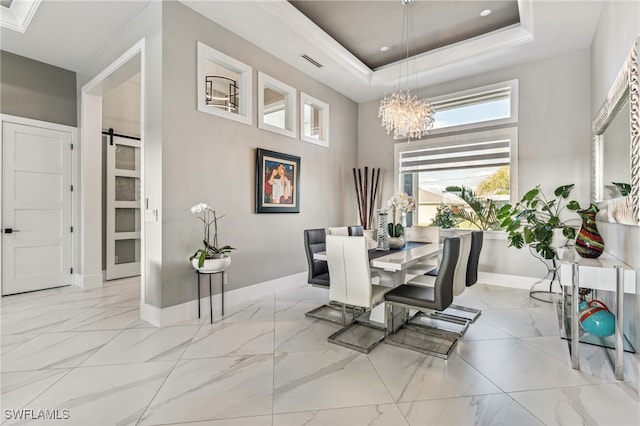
x=10, y=230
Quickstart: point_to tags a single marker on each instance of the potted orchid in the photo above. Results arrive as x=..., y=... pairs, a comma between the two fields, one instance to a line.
x=210, y=258
x=400, y=204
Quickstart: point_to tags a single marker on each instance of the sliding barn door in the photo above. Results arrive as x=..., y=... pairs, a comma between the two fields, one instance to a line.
x=123, y=207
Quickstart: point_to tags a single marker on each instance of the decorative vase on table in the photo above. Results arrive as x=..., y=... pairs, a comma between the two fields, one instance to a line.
x=589, y=242
x=396, y=243
x=383, y=236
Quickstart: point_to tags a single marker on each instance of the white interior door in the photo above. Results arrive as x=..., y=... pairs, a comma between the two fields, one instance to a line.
x=36, y=208
x=123, y=208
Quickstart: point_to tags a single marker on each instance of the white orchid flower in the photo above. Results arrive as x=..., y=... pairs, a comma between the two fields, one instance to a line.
x=198, y=208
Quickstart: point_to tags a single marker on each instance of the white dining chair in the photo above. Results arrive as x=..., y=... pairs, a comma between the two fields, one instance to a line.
x=351, y=285
x=338, y=230
x=424, y=234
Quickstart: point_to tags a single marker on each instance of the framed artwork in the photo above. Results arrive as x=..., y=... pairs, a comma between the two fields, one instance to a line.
x=277, y=182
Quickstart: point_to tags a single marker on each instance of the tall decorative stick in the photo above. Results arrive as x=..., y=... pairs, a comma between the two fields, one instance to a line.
x=374, y=193
x=360, y=202
x=366, y=194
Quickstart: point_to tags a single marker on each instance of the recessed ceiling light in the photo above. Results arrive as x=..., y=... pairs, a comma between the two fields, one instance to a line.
x=384, y=48
x=485, y=12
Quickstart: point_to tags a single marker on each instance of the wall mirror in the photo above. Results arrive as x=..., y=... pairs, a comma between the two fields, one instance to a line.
x=276, y=106
x=314, y=120
x=225, y=85
x=616, y=145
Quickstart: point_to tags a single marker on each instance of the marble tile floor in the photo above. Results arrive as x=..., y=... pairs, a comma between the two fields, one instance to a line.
x=264, y=363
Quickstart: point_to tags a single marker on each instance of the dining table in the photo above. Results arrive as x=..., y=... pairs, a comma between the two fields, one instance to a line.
x=392, y=265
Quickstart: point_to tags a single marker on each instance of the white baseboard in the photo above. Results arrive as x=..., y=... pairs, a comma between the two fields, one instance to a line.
x=88, y=281
x=161, y=317
x=516, y=281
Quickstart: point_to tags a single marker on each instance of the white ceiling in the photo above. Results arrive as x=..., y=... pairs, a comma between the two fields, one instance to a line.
x=68, y=34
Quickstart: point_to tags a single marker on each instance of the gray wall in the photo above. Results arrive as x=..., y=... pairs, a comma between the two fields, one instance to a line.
x=148, y=26
x=553, y=139
x=210, y=159
x=36, y=90
x=618, y=27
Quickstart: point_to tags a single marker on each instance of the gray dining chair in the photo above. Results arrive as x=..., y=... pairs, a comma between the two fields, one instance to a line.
x=428, y=340
x=471, y=278
x=355, y=231
x=459, y=285
x=318, y=275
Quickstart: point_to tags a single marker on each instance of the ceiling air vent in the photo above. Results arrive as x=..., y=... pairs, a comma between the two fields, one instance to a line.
x=313, y=61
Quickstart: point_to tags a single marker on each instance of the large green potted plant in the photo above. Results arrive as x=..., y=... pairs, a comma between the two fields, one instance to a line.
x=211, y=257
x=536, y=217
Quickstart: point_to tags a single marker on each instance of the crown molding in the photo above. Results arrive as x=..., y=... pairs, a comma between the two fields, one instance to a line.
x=18, y=15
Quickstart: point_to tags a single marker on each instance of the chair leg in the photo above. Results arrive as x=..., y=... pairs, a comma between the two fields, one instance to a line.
x=476, y=312
x=331, y=312
x=344, y=314
x=388, y=316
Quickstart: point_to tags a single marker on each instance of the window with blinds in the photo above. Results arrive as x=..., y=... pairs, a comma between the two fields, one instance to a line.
x=484, y=161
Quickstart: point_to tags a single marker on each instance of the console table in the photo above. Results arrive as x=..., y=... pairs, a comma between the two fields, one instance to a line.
x=210, y=301
x=604, y=273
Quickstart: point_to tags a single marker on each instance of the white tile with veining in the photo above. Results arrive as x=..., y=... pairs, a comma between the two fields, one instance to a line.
x=514, y=365
x=37, y=321
x=606, y=404
x=337, y=378
x=231, y=339
x=105, y=395
x=372, y=415
x=294, y=309
x=235, y=421
x=487, y=297
x=497, y=409
x=122, y=300
x=50, y=298
x=20, y=387
x=256, y=310
x=524, y=322
x=140, y=324
x=144, y=345
x=101, y=319
x=214, y=388
x=411, y=376
x=56, y=350
x=304, y=335
x=593, y=359
x=9, y=342
x=482, y=329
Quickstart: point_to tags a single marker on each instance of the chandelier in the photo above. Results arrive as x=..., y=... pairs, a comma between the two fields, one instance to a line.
x=402, y=112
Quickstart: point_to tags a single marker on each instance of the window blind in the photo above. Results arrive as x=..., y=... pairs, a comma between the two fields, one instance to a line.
x=466, y=156
x=473, y=99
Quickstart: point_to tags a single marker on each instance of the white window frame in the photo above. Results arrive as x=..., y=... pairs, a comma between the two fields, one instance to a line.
x=448, y=99
x=208, y=54
x=290, y=96
x=324, y=120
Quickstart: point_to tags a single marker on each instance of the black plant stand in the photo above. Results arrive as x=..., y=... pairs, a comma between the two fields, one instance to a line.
x=210, y=301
